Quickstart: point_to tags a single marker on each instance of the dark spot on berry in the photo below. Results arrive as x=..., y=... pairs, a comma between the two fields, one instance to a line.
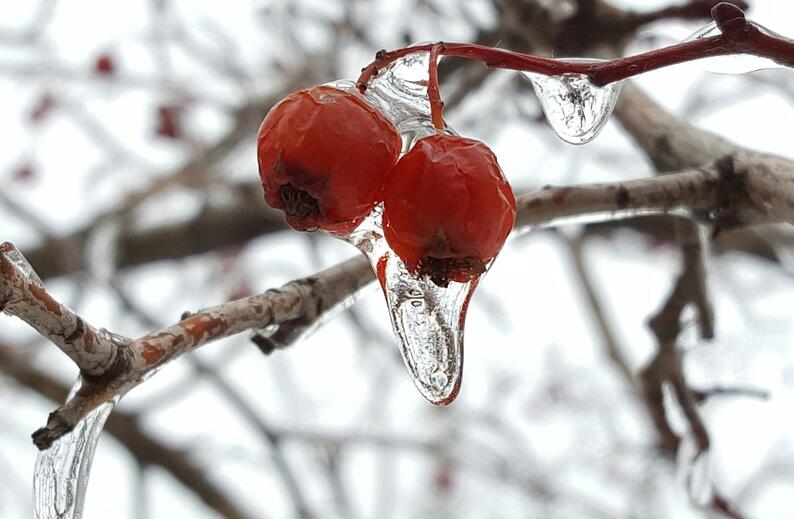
x=443, y=270
x=298, y=204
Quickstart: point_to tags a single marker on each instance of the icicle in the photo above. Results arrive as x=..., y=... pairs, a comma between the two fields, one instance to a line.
x=734, y=63
x=61, y=475
x=694, y=470
x=428, y=320
x=575, y=108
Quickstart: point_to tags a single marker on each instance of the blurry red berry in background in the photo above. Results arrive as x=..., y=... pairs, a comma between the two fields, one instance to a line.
x=105, y=65
x=324, y=155
x=447, y=208
x=44, y=105
x=24, y=172
x=169, y=122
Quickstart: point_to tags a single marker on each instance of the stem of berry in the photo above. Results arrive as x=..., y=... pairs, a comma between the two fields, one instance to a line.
x=433, y=90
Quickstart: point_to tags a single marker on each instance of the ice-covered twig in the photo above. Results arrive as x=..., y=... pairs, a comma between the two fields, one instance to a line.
x=130, y=432
x=306, y=297
x=21, y=294
x=738, y=36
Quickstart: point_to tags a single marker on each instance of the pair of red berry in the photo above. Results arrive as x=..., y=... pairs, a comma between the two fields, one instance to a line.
x=327, y=157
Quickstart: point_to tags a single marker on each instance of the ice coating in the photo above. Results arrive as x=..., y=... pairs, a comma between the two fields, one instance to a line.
x=61, y=475
x=427, y=320
x=576, y=109
x=400, y=92
x=694, y=470
x=733, y=63
x=20, y=262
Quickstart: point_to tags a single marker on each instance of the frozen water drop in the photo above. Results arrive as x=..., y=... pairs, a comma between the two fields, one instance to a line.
x=575, y=108
x=694, y=470
x=61, y=475
x=734, y=63
x=427, y=319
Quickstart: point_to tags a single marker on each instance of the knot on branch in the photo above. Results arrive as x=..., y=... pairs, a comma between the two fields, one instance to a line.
x=121, y=364
x=730, y=20
x=57, y=426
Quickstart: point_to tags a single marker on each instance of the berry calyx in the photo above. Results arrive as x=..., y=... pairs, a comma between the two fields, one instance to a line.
x=447, y=208
x=324, y=155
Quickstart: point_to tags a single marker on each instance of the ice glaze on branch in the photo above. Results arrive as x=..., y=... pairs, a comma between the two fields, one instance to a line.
x=747, y=189
x=739, y=36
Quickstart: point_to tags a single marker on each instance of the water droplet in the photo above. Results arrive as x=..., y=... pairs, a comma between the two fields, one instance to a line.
x=694, y=470
x=575, y=108
x=61, y=475
x=735, y=63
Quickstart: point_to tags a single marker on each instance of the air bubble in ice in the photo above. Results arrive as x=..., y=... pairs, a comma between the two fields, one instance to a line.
x=734, y=63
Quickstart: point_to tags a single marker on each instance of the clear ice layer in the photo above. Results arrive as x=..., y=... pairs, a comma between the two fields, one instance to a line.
x=61, y=475
x=694, y=470
x=21, y=263
x=576, y=109
x=427, y=320
x=400, y=92
x=734, y=63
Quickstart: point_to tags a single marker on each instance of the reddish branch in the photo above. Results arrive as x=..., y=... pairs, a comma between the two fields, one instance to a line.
x=738, y=36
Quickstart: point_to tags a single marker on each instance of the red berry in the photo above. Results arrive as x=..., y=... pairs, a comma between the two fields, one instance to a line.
x=447, y=208
x=105, y=65
x=324, y=155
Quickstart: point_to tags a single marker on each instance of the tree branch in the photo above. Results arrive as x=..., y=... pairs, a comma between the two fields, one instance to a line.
x=116, y=365
x=127, y=429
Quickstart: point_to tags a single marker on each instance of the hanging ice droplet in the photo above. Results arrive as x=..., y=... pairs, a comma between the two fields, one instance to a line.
x=427, y=319
x=694, y=471
x=575, y=108
x=734, y=63
x=61, y=476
